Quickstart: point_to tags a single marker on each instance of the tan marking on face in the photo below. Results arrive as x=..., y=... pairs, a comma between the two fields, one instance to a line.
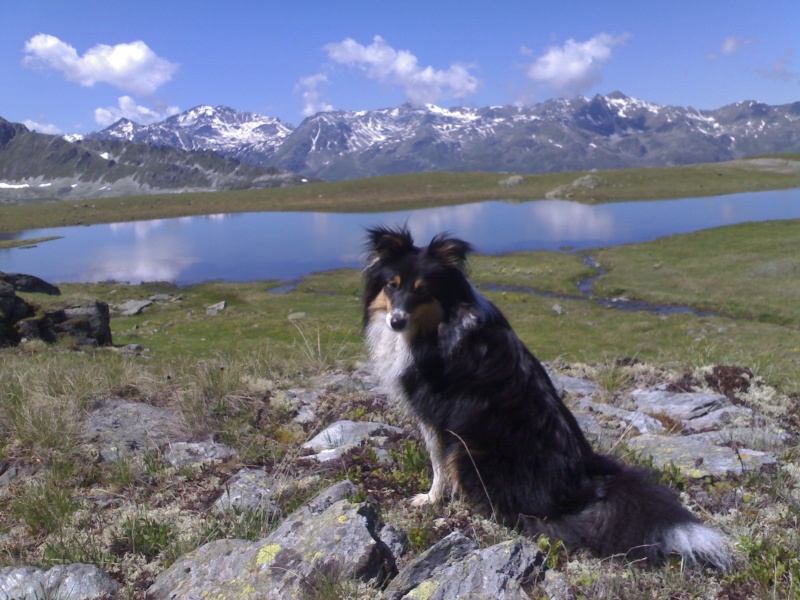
x=418, y=284
x=426, y=317
x=396, y=280
x=381, y=303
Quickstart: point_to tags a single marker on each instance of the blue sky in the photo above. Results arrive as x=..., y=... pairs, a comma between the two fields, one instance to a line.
x=76, y=66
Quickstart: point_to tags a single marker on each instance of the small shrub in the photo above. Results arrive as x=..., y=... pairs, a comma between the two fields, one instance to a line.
x=143, y=535
x=44, y=506
x=240, y=524
x=413, y=462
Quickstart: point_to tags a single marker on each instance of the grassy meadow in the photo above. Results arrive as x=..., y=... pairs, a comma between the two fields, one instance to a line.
x=216, y=371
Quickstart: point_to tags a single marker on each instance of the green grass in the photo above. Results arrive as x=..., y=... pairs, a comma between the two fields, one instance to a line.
x=749, y=271
x=27, y=242
x=416, y=190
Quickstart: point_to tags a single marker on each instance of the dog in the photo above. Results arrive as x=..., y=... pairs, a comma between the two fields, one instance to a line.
x=496, y=430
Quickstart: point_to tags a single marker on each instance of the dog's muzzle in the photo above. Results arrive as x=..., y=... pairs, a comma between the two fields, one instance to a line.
x=398, y=320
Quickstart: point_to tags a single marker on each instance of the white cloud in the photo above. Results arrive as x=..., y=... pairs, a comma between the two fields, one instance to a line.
x=132, y=67
x=382, y=63
x=575, y=67
x=47, y=128
x=128, y=109
x=782, y=69
x=733, y=44
x=312, y=97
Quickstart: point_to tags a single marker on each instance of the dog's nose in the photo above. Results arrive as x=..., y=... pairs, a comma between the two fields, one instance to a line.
x=398, y=321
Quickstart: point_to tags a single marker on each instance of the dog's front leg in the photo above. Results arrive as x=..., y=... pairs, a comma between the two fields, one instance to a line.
x=441, y=482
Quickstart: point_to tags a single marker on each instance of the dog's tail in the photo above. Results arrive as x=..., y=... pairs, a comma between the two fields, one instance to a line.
x=634, y=517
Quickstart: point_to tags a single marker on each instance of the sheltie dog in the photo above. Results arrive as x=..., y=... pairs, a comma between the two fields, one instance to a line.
x=495, y=428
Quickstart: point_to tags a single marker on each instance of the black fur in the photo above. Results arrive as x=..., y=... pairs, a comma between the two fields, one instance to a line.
x=492, y=419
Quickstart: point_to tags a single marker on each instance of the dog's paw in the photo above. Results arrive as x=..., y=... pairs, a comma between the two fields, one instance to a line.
x=423, y=500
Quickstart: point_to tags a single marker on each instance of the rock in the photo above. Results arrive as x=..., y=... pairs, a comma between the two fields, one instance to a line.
x=345, y=435
x=120, y=428
x=214, y=309
x=29, y=329
x=680, y=406
x=8, y=474
x=12, y=310
x=395, y=539
x=344, y=490
x=575, y=386
x=726, y=416
x=249, y=490
x=302, y=402
x=89, y=322
x=751, y=436
x=63, y=582
x=698, y=458
x=365, y=378
x=183, y=454
x=334, y=382
x=636, y=419
x=306, y=553
x=28, y=283
x=511, y=181
x=455, y=568
x=132, y=307
x=556, y=586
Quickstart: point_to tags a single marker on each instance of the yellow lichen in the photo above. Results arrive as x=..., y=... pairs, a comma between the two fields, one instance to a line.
x=424, y=590
x=267, y=553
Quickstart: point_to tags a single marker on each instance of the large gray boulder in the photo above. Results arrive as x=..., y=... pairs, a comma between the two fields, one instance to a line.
x=455, y=567
x=64, y=582
x=697, y=458
x=328, y=540
x=29, y=283
x=121, y=428
x=89, y=322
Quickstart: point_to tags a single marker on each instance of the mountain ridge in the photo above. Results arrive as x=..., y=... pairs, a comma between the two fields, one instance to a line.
x=611, y=131
x=37, y=167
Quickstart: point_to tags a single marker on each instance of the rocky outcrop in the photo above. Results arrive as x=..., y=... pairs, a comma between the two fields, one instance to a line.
x=455, y=567
x=28, y=283
x=345, y=536
x=328, y=539
x=87, y=322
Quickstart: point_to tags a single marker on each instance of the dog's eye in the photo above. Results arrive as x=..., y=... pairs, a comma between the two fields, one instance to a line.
x=392, y=284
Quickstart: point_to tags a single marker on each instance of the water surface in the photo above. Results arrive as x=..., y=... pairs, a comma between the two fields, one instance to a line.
x=288, y=245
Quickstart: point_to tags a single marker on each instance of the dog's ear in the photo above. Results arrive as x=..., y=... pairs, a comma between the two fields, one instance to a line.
x=384, y=243
x=451, y=252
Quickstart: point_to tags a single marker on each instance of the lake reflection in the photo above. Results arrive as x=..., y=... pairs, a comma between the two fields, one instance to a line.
x=258, y=246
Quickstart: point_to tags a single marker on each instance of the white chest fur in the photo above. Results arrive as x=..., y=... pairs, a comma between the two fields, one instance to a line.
x=390, y=353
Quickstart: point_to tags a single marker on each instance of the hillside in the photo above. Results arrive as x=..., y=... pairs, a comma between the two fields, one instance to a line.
x=38, y=167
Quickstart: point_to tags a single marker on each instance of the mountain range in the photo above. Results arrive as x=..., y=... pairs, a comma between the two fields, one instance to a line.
x=611, y=131
x=216, y=148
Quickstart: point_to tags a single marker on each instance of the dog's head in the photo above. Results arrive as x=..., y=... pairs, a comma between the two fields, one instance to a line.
x=414, y=289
